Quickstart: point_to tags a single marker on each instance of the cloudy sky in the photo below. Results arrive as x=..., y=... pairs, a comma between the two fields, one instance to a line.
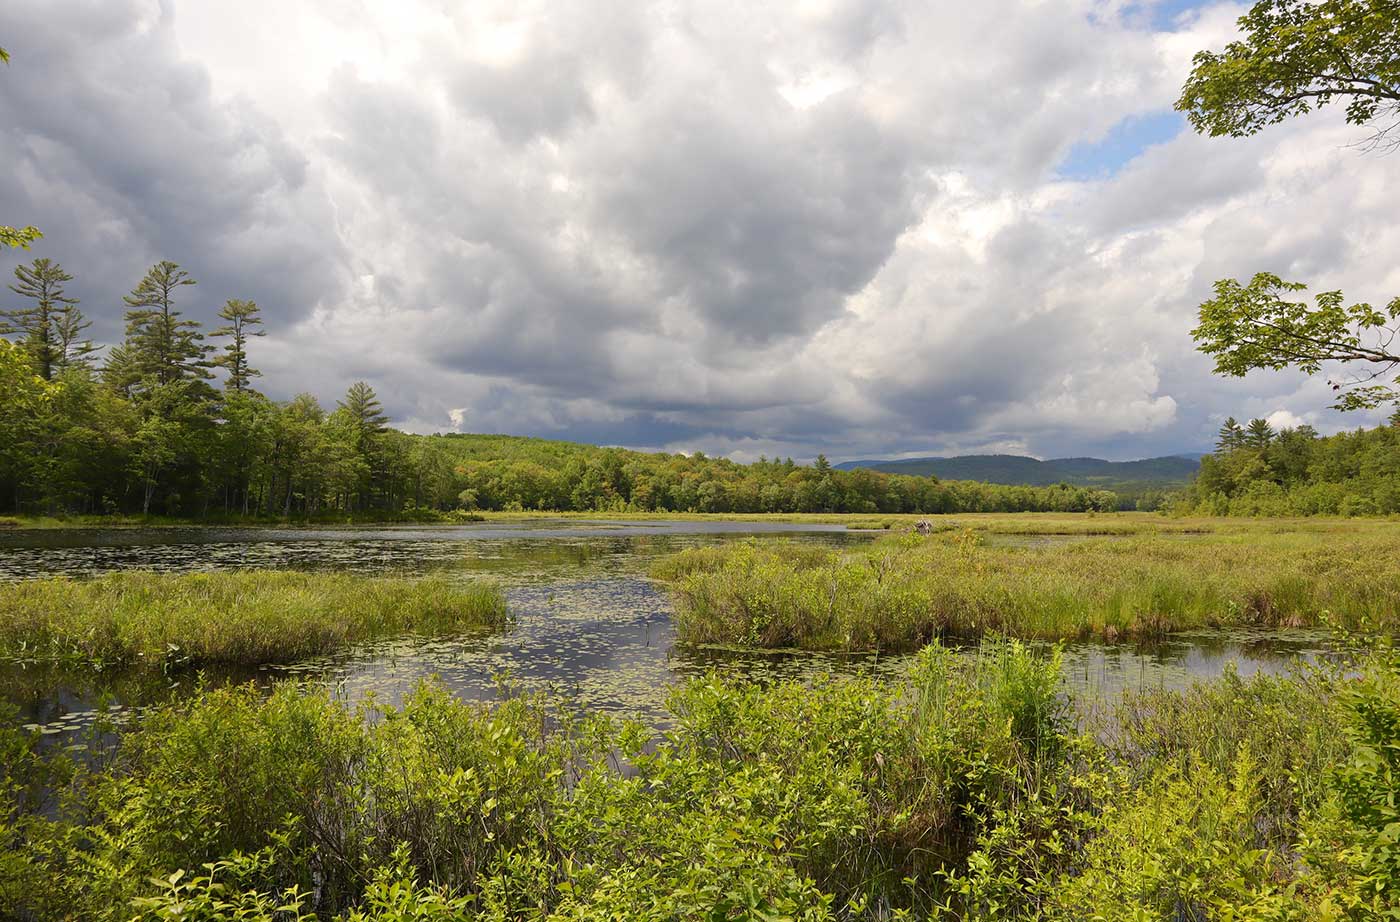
x=863, y=228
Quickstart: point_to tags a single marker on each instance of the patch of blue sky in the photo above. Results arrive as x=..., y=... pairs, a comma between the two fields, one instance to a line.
x=1164, y=15
x=1123, y=143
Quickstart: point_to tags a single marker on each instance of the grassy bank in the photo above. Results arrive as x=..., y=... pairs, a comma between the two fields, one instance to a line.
x=127, y=619
x=965, y=794
x=901, y=592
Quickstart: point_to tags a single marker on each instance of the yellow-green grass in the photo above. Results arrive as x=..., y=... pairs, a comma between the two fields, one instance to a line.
x=901, y=592
x=246, y=618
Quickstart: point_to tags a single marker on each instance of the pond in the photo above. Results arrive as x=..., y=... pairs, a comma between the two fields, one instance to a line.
x=586, y=622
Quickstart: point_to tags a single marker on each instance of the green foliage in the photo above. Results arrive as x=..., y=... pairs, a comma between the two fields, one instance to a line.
x=149, y=435
x=241, y=317
x=963, y=793
x=174, y=449
x=1290, y=725
x=165, y=620
x=162, y=347
x=1247, y=327
x=1180, y=847
x=899, y=593
x=51, y=325
x=1369, y=784
x=1295, y=57
x=1294, y=472
x=18, y=237
x=1129, y=481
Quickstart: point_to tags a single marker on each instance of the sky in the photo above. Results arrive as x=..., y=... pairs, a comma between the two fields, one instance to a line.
x=867, y=229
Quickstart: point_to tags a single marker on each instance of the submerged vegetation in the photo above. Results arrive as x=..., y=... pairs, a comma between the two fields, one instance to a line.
x=965, y=794
x=248, y=618
x=901, y=592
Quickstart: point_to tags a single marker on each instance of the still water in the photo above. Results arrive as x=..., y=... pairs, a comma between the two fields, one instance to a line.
x=586, y=622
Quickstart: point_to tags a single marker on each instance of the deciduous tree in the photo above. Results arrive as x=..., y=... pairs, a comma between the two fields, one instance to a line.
x=1296, y=57
x=1291, y=59
x=1247, y=327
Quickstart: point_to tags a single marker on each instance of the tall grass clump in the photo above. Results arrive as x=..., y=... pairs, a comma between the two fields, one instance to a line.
x=901, y=592
x=128, y=619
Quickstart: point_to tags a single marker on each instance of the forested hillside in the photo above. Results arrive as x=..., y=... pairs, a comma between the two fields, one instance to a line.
x=1258, y=471
x=168, y=423
x=1174, y=470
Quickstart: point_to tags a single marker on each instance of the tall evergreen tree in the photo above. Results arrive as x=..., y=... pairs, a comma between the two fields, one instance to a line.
x=163, y=348
x=73, y=351
x=41, y=283
x=121, y=371
x=364, y=423
x=1259, y=434
x=242, y=316
x=362, y=405
x=1231, y=436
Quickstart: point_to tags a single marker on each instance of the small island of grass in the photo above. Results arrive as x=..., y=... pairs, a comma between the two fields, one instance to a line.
x=899, y=593
x=238, y=618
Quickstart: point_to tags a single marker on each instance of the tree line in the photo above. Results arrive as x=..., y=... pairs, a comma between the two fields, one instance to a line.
x=1256, y=470
x=169, y=422
x=147, y=430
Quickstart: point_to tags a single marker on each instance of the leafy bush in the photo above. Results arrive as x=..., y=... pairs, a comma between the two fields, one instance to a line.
x=963, y=793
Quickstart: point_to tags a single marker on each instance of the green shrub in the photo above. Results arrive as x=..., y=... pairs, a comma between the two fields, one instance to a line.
x=963, y=793
x=1293, y=726
x=1369, y=784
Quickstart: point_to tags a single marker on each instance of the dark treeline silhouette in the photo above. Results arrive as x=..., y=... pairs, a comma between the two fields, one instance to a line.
x=149, y=430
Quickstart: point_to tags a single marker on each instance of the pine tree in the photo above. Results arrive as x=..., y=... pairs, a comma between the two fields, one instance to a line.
x=366, y=422
x=241, y=315
x=163, y=348
x=41, y=283
x=1231, y=436
x=121, y=370
x=73, y=352
x=1259, y=434
x=365, y=411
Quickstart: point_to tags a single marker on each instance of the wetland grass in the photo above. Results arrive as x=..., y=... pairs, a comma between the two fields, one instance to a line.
x=234, y=618
x=901, y=592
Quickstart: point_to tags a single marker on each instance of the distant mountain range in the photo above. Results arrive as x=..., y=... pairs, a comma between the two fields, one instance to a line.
x=1172, y=470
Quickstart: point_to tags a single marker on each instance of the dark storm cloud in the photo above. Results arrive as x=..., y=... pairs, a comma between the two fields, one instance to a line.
x=117, y=148
x=749, y=228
